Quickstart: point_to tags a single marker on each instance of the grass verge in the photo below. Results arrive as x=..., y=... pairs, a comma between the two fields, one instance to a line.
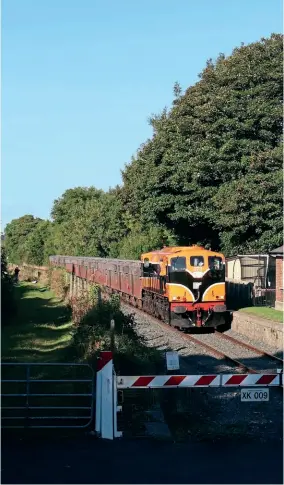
x=41, y=329
x=44, y=330
x=265, y=312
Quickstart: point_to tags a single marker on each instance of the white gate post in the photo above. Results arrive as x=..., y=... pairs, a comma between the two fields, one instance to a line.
x=105, y=396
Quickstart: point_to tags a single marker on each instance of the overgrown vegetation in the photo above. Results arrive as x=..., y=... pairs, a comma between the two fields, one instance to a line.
x=210, y=174
x=45, y=329
x=93, y=334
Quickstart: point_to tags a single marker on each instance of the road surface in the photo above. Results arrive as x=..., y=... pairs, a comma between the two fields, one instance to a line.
x=90, y=460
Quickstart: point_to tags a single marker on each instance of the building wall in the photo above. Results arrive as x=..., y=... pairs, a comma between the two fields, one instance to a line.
x=233, y=269
x=279, y=282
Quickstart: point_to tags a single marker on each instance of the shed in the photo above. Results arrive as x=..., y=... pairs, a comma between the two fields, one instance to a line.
x=251, y=268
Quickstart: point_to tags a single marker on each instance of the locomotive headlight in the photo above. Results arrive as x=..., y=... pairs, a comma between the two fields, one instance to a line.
x=196, y=285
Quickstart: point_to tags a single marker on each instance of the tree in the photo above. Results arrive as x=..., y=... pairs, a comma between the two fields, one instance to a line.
x=140, y=240
x=89, y=222
x=250, y=220
x=17, y=233
x=208, y=140
x=36, y=244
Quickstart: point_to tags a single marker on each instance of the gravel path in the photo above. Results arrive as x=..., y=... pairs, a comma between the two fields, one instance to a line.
x=216, y=413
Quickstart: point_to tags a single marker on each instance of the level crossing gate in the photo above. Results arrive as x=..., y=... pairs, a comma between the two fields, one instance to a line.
x=108, y=384
x=72, y=398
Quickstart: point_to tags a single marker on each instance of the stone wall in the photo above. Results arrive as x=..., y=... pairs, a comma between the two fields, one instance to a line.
x=259, y=329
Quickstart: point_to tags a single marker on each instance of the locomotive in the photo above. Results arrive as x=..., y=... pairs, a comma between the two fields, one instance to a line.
x=183, y=286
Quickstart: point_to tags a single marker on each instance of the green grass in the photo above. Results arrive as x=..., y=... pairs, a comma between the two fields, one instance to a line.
x=40, y=331
x=265, y=312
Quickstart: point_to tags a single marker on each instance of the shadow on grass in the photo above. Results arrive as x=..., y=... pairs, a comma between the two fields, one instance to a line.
x=41, y=333
x=40, y=329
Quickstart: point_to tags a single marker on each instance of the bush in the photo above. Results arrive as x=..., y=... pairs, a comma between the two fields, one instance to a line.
x=57, y=282
x=92, y=334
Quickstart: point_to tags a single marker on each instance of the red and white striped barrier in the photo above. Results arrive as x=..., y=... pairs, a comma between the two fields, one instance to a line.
x=108, y=383
x=216, y=380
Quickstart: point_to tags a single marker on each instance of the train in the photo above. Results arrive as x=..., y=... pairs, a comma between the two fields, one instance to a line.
x=182, y=286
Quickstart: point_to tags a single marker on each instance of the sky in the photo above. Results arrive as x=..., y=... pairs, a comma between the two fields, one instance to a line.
x=80, y=79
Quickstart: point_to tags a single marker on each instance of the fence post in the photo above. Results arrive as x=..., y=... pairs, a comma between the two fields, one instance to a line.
x=112, y=335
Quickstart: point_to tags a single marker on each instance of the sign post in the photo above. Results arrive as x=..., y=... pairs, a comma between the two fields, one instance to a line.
x=171, y=396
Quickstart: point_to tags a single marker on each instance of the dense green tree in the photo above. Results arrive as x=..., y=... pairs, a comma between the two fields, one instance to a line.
x=16, y=236
x=207, y=140
x=140, y=240
x=36, y=246
x=89, y=222
x=250, y=209
x=75, y=216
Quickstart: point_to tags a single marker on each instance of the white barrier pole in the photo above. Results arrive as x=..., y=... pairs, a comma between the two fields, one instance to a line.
x=116, y=408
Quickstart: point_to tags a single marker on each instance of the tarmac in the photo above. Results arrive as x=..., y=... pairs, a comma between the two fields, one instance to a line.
x=91, y=460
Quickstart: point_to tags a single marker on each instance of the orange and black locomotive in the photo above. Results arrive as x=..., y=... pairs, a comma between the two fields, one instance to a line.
x=190, y=280
x=183, y=286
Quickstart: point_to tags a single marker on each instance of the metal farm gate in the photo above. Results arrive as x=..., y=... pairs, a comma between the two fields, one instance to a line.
x=53, y=395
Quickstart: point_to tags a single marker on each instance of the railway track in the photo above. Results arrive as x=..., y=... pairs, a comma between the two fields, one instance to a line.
x=263, y=361
x=250, y=347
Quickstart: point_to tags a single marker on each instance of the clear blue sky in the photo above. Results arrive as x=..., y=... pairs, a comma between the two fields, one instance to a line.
x=81, y=77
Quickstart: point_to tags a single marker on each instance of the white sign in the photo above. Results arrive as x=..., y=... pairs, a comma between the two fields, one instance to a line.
x=251, y=395
x=172, y=359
